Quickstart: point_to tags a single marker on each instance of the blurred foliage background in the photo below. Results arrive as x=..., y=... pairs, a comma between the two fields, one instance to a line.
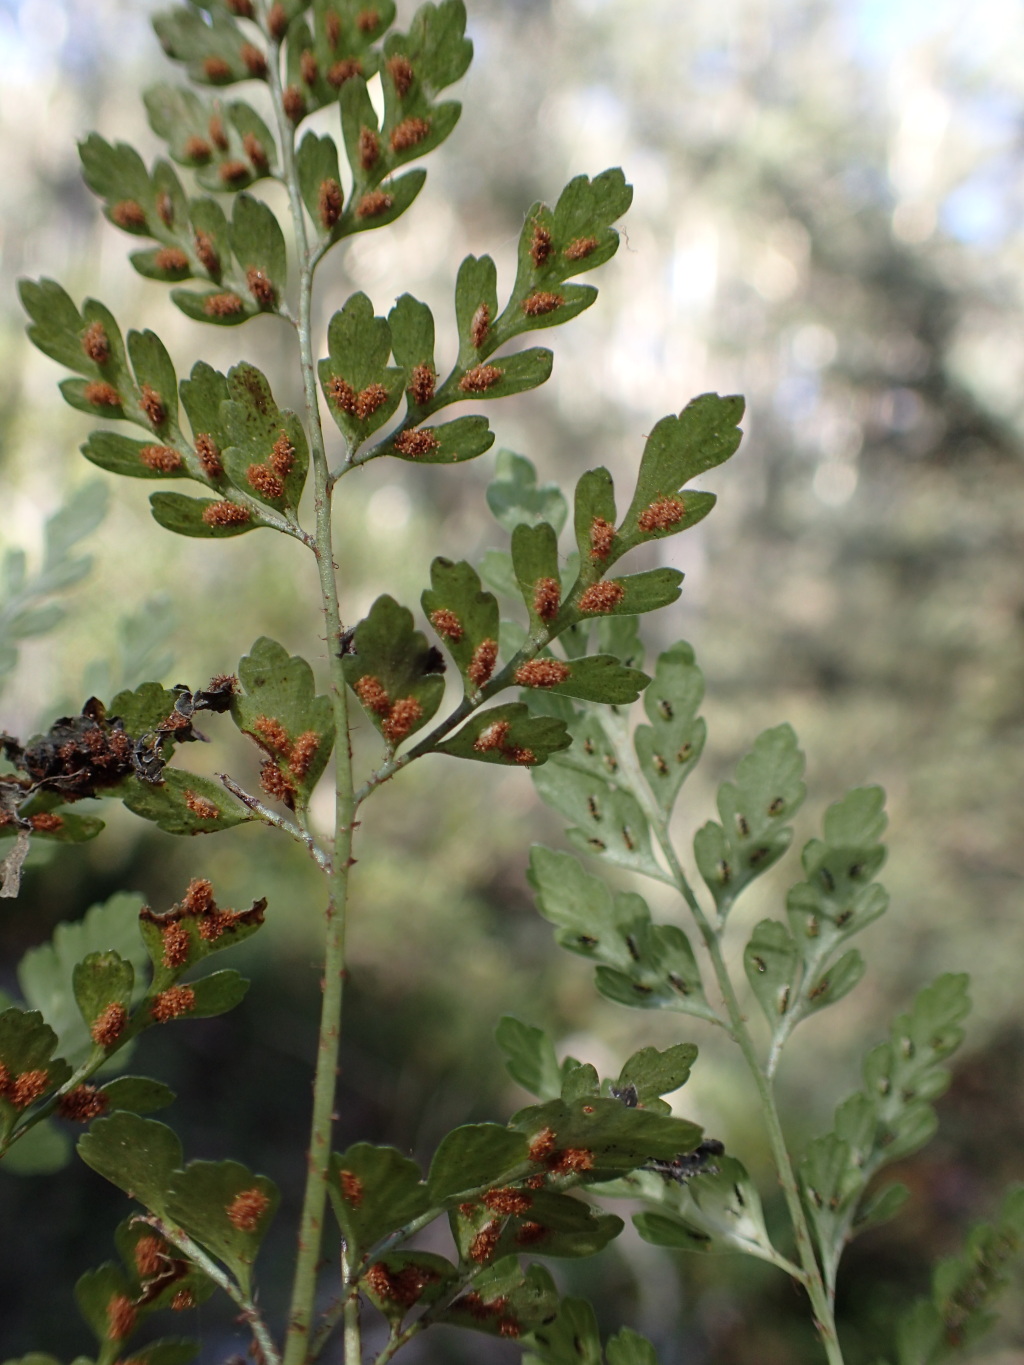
x=828, y=195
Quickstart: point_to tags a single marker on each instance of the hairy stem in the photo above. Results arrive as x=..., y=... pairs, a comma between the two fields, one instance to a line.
x=300, y=1319
x=811, y=1277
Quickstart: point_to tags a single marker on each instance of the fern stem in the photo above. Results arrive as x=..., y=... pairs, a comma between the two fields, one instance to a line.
x=300, y=1318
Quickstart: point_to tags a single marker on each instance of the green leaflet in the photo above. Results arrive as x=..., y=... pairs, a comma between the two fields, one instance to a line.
x=393, y=671
x=432, y=1276
x=244, y=144
x=671, y=745
x=515, y=497
x=886, y=1121
x=27, y=1046
x=718, y=1210
x=213, y=51
x=965, y=1288
x=464, y=617
x=268, y=456
x=226, y=1209
x=204, y=518
x=137, y=1155
x=374, y=1191
x=361, y=390
x=754, y=809
x=258, y=245
x=505, y=1299
x=608, y=820
x=652, y=1073
x=184, y=803
x=278, y=707
x=551, y=1224
x=476, y=1155
x=645, y=965
x=530, y=1057
x=618, y=1138
x=571, y=1338
x=317, y=164
x=508, y=734
x=46, y=973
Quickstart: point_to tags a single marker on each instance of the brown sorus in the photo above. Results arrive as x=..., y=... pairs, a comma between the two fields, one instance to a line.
x=218, y=136
x=184, y=1298
x=165, y=208
x=216, y=69
x=409, y=133
x=372, y=205
x=508, y=1200
x=271, y=734
x=171, y=259
x=308, y=68
x=351, y=1188
x=401, y=72
x=542, y=673
x=207, y=253
x=176, y=945
x=247, y=1208
x=480, y=378
x=233, y=172
x=403, y=1285
x=602, y=535
x=342, y=394
x=572, y=1159
x=446, y=623
x=255, y=61
x=483, y=1245
x=223, y=305
x=415, y=443
x=329, y=202
x=661, y=515
x=332, y=27
x=368, y=400
x=547, y=598
x=129, y=214
x=540, y=245
x=261, y=287
x=523, y=756
x=172, y=1003
x=225, y=514
x=282, y=456
x=536, y=305
x=121, y=1317
x=340, y=72
x=46, y=822
x=198, y=899
x=201, y=806
x=152, y=405
x=422, y=384
x=602, y=596
x=369, y=148
x=162, y=459
x=530, y=1233
x=28, y=1087
x=303, y=752
x=276, y=784
x=5, y=1079
x=481, y=666
x=108, y=1025
x=493, y=737
x=208, y=455
x=102, y=394
x=256, y=152
x=277, y=21
x=542, y=1145
x=367, y=20
x=294, y=102
x=480, y=326
x=96, y=344
x=401, y=719
x=197, y=149
x=370, y=692
x=150, y=1257
x=243, y=8
x=580, y=248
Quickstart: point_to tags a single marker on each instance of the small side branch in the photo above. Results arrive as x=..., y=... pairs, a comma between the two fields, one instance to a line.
x=281, y=822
